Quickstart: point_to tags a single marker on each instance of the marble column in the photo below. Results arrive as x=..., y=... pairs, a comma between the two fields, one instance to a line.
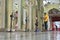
x=34, y=11
x=2, y=14
x=9, y=12
x=19, y=14
x=30, y=16
x=40, y=14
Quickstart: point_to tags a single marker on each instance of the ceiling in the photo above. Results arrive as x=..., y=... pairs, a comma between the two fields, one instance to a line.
x=51, y=1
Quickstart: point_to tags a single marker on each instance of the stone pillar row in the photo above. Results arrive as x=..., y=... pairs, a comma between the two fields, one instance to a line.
x=31, y=13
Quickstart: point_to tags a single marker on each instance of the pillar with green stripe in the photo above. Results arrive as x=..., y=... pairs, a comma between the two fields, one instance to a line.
x=8, y=13
x=40, y=14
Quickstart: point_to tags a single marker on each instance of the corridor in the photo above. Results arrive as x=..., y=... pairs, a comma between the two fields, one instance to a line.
x=52, y=35
x=26, y=19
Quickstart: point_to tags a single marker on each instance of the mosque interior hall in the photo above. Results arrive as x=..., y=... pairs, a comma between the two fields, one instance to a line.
x=29, y=19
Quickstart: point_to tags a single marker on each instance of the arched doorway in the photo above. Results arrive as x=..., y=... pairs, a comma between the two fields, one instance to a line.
x=54, y=19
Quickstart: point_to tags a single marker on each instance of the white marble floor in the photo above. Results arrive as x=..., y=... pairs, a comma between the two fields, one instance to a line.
x=30, y=35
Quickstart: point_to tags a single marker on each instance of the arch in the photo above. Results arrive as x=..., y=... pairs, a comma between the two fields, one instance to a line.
x=54, y=14
x=53, y=11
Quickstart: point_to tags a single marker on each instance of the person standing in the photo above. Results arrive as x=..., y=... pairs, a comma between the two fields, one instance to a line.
x=15, y=21
x=16, y=15
x=45, y=20
x=56, y=27
x=36, y=25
